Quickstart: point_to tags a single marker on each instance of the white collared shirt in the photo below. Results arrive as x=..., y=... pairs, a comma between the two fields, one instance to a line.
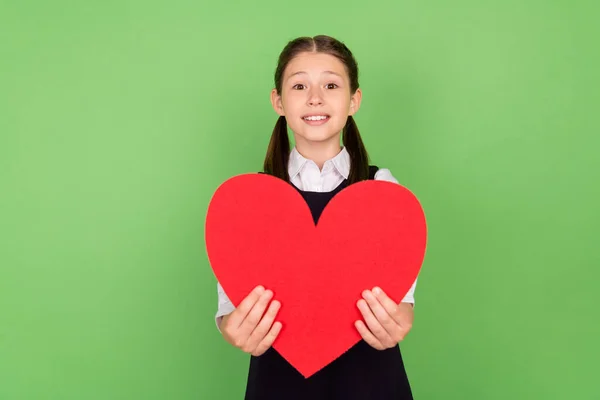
x=306, y=175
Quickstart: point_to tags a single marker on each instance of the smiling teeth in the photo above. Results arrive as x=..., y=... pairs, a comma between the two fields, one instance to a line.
x=317, y=118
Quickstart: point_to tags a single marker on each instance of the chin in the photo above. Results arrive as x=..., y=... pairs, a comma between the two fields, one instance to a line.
x=318, y=138
x=322, y=134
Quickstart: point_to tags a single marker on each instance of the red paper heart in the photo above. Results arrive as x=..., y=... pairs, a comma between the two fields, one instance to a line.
x=259, y=231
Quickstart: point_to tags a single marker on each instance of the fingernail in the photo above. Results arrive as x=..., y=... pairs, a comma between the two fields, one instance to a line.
x=377, y=290
x=260, y=289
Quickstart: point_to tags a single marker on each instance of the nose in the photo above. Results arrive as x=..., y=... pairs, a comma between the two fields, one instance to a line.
x=315, y=97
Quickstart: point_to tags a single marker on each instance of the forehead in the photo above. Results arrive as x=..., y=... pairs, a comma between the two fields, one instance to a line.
x=315, y=63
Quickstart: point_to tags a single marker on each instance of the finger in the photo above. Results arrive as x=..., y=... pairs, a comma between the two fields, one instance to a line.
x=388, y=304
x=241, y=311
x=255, y=315
x=268, y=340
x=374, y=325
x=381, y=314
x=264, y=326
x=368, y=336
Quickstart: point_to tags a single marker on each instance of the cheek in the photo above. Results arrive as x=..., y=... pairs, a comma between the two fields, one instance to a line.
x=343, y=108
x=291, y=103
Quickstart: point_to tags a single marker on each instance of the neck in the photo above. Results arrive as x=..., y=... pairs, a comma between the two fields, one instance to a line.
x=319, y=152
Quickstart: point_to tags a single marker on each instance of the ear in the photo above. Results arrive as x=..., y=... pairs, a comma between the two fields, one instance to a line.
x=276, y=102
x=355, y=102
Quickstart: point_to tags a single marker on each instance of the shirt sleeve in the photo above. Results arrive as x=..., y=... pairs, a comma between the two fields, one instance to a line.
x=225, y=306
x=385, y=175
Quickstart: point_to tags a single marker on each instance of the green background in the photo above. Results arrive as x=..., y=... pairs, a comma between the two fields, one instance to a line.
x=119, y=119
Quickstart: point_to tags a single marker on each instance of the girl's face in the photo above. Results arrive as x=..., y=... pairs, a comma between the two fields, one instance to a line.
x=316, y=85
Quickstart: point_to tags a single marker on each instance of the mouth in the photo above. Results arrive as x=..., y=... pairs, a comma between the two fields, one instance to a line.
x=316, y=119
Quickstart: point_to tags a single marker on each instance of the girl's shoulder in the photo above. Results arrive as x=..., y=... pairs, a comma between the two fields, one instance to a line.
x=384, y=174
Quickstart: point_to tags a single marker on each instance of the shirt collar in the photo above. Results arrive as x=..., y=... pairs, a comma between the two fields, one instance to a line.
x=341, y=162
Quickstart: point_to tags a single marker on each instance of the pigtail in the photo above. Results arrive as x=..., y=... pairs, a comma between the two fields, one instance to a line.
x=278, y=152
x=359, y=159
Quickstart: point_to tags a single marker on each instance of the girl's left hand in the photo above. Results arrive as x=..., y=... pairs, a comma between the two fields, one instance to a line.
x=388, y=323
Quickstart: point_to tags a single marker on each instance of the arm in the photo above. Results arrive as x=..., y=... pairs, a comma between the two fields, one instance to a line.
x=225, y=306
x=385, y=322
x=384, y=174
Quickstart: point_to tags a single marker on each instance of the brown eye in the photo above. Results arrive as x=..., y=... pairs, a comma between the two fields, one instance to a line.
x=295, y=86
x=331, y=84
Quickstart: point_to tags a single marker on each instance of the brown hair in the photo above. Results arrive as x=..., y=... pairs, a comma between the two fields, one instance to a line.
x=276, y=160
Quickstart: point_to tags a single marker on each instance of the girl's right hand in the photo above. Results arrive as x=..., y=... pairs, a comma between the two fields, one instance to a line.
x=248, y=327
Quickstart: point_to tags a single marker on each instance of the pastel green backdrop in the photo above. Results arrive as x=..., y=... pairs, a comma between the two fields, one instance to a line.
x=120, y=118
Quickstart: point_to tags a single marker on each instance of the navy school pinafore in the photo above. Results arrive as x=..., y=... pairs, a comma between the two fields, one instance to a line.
x=361, y=373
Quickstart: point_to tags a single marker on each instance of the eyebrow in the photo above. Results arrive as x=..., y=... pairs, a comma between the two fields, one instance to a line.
x=304, y=72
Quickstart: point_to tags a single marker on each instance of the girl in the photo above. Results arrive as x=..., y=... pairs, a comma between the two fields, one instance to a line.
x=316, y=94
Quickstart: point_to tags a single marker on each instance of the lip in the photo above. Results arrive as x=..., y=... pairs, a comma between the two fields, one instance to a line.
x=315, y=115
x=316, y=123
